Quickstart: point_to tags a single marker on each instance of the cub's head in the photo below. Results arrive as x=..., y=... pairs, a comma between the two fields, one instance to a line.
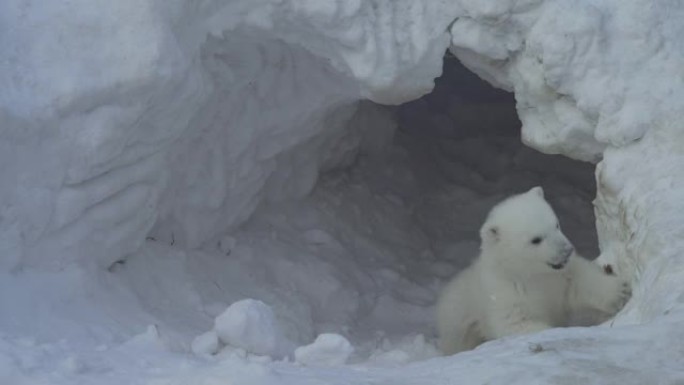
x=523, y=232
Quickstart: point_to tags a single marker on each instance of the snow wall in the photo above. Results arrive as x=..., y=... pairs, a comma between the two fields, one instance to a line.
x=175, y=120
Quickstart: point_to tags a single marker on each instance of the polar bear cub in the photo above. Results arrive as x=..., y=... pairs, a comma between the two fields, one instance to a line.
x=527, y=278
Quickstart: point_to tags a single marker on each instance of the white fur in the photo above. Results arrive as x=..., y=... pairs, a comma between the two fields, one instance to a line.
x=519, y=287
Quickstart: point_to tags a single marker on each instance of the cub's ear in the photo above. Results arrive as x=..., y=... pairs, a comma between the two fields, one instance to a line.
x=537, y=190
x=490, y=234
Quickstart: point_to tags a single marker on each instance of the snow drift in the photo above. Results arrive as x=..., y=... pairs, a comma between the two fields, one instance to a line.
x=129, y=126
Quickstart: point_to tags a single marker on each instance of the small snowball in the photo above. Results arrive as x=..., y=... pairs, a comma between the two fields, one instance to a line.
x=327, y=350
x=251, y=325
x=207, y=343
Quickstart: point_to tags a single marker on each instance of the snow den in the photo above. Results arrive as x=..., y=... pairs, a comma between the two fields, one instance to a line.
x=274, y=192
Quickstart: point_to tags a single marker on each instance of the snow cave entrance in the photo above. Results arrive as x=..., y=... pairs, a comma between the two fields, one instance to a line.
x=365, y=254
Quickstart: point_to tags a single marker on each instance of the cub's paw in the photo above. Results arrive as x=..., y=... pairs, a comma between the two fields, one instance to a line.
x=622, y=292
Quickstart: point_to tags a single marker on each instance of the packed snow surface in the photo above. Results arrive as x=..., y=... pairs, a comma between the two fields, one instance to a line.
x=163, y=161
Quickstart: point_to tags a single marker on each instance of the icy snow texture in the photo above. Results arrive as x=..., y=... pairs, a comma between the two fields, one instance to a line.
x=124, y=118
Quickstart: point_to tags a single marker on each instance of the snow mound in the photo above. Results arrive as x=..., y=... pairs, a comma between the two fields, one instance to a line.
x=327, y=350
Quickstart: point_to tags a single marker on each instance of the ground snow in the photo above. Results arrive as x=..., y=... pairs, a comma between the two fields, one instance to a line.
x=160, y=161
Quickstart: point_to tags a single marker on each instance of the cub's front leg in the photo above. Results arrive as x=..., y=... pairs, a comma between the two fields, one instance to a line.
x=509, y=316
x=592, y=287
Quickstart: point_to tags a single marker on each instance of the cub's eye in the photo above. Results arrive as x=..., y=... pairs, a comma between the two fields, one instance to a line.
x=536, y=240
x=558, y=225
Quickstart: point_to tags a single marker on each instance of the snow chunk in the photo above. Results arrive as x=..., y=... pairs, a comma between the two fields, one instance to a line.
x=251, y=325
x=327, y=350
x=207, y=343
x=406, y=350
